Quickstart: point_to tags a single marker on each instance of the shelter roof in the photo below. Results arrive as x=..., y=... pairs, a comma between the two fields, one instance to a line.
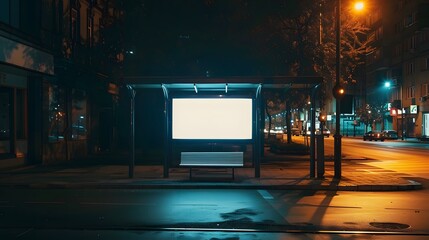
x=188, y=83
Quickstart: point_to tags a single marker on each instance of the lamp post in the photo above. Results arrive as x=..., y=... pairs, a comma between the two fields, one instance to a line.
x=387, y=85
x=338, y=91
x=337, y=94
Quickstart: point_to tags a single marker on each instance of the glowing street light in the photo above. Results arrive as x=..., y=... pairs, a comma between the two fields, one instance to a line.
x=359, y=6
x=387, y=84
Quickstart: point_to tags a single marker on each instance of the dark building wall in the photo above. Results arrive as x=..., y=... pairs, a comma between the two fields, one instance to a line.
x=83, y=101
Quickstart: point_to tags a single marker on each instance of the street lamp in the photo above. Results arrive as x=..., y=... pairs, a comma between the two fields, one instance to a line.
x=359, y=6
x=338, y=90
x=387, y=84
x=337, y=94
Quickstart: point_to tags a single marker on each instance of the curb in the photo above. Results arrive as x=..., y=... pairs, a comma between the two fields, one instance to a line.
x=364, y=188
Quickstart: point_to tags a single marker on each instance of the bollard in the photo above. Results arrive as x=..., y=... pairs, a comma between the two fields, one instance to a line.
x=320, y=145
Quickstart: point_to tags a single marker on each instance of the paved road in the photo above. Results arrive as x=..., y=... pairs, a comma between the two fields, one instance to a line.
x=403, y=157
x=409, y=158
x=129, y=208
x=36, y=211
x=229, y=214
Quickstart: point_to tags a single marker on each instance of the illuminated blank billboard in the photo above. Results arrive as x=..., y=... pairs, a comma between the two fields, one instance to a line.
x=212, y=118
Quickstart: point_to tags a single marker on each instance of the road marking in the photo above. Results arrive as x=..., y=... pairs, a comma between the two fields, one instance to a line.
x=44, y=202
x=266, y=195
x=113, y=203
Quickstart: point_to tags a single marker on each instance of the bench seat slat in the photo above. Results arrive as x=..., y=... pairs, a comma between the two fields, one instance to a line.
x=212, y=159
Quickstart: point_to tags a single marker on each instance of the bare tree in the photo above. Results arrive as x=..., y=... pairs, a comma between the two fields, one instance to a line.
x=311, y=40
x=355, y=42
x=370, y=114
x=274, y=102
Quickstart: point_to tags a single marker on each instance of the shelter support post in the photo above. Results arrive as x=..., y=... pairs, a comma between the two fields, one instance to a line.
x=313, y=131
x=312, y=136
x=131, y=163
x=167, y=140
x=257, y=142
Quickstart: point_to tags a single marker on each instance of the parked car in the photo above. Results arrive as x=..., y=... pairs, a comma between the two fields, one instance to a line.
x=295, y=131
x=390, y=134
x=326, y=132
x=376, y=136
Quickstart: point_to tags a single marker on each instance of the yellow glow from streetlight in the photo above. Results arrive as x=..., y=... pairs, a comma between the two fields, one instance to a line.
x=359, y=6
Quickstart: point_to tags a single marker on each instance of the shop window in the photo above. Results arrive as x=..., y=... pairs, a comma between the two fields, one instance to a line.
x=79, y=114
x=57, y=113
x=21, y=114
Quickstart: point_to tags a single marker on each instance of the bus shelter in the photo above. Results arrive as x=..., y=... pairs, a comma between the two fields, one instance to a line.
x=249, y=89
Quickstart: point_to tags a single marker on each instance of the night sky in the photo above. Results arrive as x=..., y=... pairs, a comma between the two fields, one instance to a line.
x=195, y=37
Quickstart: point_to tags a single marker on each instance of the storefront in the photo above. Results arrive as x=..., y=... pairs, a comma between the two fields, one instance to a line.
x=21, y=66
x=425, y=125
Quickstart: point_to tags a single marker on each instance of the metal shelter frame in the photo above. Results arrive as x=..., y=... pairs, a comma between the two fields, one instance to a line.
x=228, y=85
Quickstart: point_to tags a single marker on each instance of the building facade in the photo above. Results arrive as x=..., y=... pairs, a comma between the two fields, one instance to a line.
x=401, y=58
x=54, y=79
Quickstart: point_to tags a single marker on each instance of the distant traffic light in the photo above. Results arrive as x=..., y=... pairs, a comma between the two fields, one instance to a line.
x=322, y=118
x=338, y=91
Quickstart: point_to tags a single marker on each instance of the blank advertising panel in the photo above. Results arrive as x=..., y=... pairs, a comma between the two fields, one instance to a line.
x=212, y=118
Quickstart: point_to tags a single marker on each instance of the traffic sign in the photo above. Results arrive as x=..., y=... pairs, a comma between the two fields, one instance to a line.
x=413, y=109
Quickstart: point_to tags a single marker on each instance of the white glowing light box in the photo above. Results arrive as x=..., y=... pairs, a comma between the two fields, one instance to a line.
x=212, y=118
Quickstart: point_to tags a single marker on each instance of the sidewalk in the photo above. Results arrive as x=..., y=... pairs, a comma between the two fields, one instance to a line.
x=277, y=172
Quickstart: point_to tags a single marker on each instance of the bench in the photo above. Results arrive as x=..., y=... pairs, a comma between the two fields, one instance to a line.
x=211, y=160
